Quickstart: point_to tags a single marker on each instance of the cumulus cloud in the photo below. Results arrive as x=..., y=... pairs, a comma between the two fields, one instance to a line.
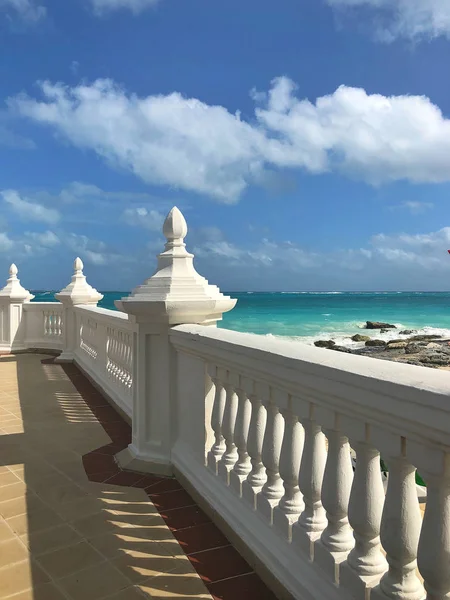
x=144, y=217
x=135, y=6
x=47, y=239
x=6, y=243
x=27, y=10
x=413, y=206
x=400, y=261
x=29, y=211
x=404, y=18
x=184, y=143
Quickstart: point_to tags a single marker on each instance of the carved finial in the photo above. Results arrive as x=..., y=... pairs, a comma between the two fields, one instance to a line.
x=175, y=227
x=13, y=289
x=78, y=265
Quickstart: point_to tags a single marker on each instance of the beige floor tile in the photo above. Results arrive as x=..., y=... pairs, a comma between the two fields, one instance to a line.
x=42, y=480
x=100, y=523
x=65, y=561
x=130, y=593
x=47, y=591
x=58, y=495
x=19, y=506
x=7, y=478
x=175, y=586
x=12, y=551
x=6, y=532
x=94, y=582
x=79, y=509
x=138, y=566
x=51, y=539
x=115, y=544
x=20, y=577
x=13, y=491
x=35, y=521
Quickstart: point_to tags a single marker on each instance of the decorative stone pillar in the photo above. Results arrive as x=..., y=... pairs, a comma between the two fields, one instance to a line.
x=12, y=327
x=78, y=292
x=176, y=294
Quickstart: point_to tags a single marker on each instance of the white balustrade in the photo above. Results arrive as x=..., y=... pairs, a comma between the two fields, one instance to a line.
x=277, y=422
x=312, y=520
x=44, y=322
x=230, y=456
x=218, y=448
x=257, y=475
x=284, y=418
x=291, y=504
x=272, y=491
x=243, y=465
x=104, y=349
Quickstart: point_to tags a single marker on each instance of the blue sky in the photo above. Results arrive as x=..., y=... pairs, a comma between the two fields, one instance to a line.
x=306, y=141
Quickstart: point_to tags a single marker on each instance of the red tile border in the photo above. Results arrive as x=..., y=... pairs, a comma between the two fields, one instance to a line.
x=244, y=587
x=219, y=563
x=224, y=571
x=200, y=537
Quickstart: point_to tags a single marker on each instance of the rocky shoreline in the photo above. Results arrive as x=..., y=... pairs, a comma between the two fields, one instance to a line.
x=423, y=350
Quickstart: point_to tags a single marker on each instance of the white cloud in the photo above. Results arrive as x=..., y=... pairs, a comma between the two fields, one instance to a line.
x=413, y=206
x=6, y=243
x=404, y=18
x=185, y=143
x=144, y=217
x=29, y=211
x=135, y=6
x=48, y=239
x=28, y=10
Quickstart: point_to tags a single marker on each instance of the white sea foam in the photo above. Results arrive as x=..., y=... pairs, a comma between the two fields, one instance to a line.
x=343, y=338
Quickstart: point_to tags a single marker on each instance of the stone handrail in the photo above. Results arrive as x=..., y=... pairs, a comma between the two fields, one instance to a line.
x=276, y=461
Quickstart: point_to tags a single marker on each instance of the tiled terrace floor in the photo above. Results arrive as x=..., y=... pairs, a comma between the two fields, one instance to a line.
x=73, y=526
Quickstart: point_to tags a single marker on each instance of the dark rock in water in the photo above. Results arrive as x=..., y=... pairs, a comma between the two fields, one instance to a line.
x=341, y=349
x=396, y=345
x=425, y=338
x=380, y=343
x=378, y=325
x=325, y=344
x=413, y=348
x=407, y=331
x=360, y=338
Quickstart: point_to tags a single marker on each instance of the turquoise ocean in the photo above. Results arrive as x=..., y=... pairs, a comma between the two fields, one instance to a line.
x=308, y=316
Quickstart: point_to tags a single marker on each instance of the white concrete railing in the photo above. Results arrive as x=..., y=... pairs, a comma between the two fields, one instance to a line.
x=104, y=350
x=275, y=407
x=43, y=325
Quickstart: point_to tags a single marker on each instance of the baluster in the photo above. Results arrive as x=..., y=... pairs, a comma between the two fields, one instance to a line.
x=400, y=530
x=312, y=520
x=434, y=544
x=46, y=323
x=336, y=539
x=273, y=489
x=257, y=476
x=243, y=465
x=365, y=563
x=291, y=504
x=230, y=456
x=218, y=448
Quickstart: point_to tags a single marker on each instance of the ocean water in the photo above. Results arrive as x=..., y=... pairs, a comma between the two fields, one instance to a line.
x=308, y=316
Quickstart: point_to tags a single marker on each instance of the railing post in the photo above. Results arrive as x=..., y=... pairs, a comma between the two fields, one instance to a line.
x=176, y=294
x=12, y=326
x=78, y=292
